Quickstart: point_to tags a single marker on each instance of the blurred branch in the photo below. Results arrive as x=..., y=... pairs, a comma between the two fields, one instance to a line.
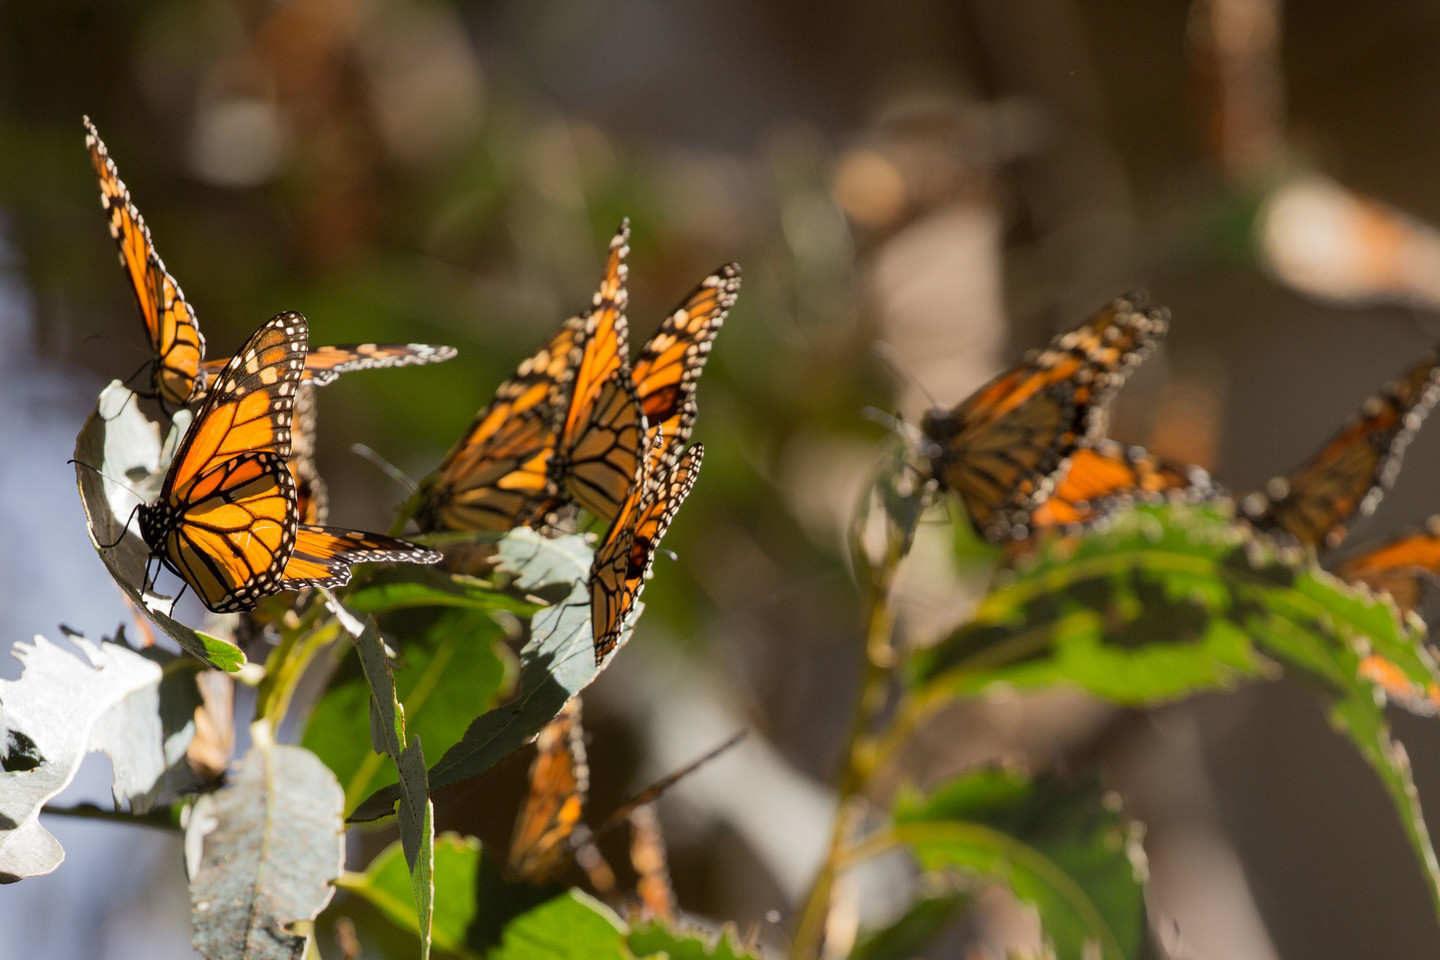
x=1236, y=51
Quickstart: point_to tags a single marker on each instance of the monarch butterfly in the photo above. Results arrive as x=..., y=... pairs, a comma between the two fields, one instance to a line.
x=1104, y=474
x=549, y=825
x=599, y=423
x=1351, y=473
x=1405, y=568
x=624, y=557
x=1003, y=447
x=226, y=520
x=180, y=370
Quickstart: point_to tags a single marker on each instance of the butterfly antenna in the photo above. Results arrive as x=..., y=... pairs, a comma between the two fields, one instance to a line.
x=888, y=355
x=118, y=483
x=385, y=466
x=651, y=793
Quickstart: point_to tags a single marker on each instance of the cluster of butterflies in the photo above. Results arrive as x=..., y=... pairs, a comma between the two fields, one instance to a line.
x=1027, y=456
x=240, y=514
x=580, y=424
x=241, y=510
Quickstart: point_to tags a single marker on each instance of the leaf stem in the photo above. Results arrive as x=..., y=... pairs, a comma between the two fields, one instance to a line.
x=164, y=818
x=877, y=583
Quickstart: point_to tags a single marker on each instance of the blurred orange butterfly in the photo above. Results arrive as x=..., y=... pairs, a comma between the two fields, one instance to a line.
x=180, y=371
x=1406, y=567
x=1104, y=475
x=226, y=520
x=1351, y=473
x=550, y=827
x=625, y=555
x=1002, y=448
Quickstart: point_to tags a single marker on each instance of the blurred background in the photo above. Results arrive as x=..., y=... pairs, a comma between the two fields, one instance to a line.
x=960, y=180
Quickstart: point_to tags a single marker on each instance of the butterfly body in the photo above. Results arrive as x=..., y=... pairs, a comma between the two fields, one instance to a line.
x=1003, y=447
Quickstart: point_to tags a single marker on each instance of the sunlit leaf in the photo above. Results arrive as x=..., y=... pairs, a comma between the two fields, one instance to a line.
x=555, y=664
x=1169, y=601
x=63, y=706
x=450, y=667
x=119, y=442
x=655, y=938
x=269, y=844
x=573, y=924
x=386, y=883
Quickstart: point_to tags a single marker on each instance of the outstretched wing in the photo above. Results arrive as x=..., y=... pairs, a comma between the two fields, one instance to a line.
x=248, y=407
x=323, y=555
x=1351, y=473
x=324, y=364
x=1406, y=568
x=231, y=535
x=599, y=425
x=496, y=477
x=1003, y=448
x=169, y=320
x=667, y=370
x=1104, y=475
x=623, y=560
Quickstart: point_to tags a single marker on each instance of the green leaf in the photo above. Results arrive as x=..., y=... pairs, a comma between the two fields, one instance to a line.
x=1146, y=611
x=1171, y=600
x=1061, y=847
x=417, y=813
x=263, y=852
x=573, y=926
x=655, y=938
x=118, y=441
x=557, y=663
x=451, y=665
x=401, y=587
x=387, y=884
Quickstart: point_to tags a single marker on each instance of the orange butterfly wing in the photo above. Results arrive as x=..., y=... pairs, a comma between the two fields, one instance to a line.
x=323, y=555
x=226, y=520
x=1352, y=472
x=600, y=426
x=559, y=783
x=324, y=364
x=668, y=368
x=624, y=557
x=1002, y=448
x=497, y=477
x=169, y=319
x=1106, y=474
x=1405, y=568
